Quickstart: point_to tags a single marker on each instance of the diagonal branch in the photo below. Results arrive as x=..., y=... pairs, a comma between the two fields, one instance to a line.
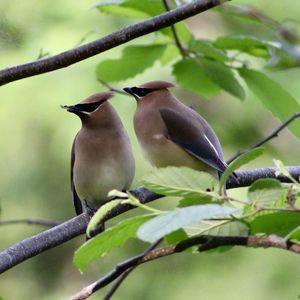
x=122, y=268
x=66, y=231
x=112, y=40
x=266, y=139
x=205, y=242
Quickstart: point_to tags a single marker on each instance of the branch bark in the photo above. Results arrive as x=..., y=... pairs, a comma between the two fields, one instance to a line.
x=206, y=242
x=112, y=40
x=66, y=231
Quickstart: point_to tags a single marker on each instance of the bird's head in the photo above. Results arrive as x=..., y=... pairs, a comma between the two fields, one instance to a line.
x=90, y=105
x=147, y=89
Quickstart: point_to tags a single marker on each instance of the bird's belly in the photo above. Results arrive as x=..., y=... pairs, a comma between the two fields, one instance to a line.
x=93, y=182
x=162, y=152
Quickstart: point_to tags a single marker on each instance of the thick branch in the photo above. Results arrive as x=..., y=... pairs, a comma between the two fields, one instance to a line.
x=206, y=242
x=76, y=226
x=120, y=37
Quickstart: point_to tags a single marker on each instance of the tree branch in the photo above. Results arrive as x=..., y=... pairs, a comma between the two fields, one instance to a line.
x=112, y=40
x=206, y=242
x=182, y=50
x=66, y=231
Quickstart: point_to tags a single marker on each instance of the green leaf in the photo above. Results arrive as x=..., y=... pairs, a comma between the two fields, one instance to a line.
x=265, y=192
x=247, y=44
x=175, y=237
x=223, y=76
x=162, y=225
x=272, y=96
x=189, y=201
x=100, y=215
x=218, y=228
x=207, y=49
x=134, y=60
x=131, y=8
x=105, y=242
x=241, y=160
x=182, y=182
x=294, y=235
x=279, y=223
x=190, y=75
x=171, y=53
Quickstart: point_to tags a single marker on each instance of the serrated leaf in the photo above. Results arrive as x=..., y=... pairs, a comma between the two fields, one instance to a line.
x=190, y=75
x=273, y=96
x=182, y=182
x=223, y=76
x=105, y=242
x=247, y=44
x=279, y=223
x=241, y=160
x=175, y=237
x=100, y=215
x=265, y=192
x=207, y=49
x=218, y=228
x=162, y=225
x=134, y=60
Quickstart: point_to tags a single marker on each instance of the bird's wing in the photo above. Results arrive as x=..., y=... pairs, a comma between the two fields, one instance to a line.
x=189, y=134
x=76, y=200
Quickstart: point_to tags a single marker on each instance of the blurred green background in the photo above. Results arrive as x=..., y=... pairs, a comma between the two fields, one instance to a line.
x=36, y=137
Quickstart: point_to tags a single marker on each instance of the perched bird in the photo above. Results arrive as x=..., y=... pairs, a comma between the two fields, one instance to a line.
x=171, y=133
x=101, y=158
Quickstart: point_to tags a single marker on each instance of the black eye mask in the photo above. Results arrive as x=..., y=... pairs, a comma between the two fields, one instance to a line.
x=83, y=107
x=88, y=107
x=140, y=92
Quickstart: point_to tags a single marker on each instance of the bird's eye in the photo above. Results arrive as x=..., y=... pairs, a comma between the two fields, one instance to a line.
x=141, y=92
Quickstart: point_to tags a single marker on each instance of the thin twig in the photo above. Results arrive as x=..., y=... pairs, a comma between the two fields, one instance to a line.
x=206, y=242
x=46, y=223
x=112, y=89
x=184, y=53
x=266, y=139
x=122, y=267
x=110, y=41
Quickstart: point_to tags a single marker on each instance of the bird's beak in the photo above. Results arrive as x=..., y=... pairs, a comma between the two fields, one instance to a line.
x=129, y=91
x=71, y=108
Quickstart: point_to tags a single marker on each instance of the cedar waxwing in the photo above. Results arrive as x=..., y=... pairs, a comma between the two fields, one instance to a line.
x=101, y=158
x=171, y=133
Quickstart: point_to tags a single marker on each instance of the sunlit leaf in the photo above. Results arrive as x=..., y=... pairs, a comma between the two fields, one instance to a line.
x=134, y=60
x=105, y=242
x=219, y=228
x=182, y=181
x=265, y=192
x=162, y=225
x=273, y=96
